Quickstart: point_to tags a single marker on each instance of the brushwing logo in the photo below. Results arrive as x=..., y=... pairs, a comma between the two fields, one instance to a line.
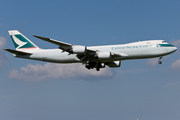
x=158, y=45
x=18, y=42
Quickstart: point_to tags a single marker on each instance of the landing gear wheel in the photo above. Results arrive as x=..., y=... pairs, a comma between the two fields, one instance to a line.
x=90, y=65
x=97, y=69
x=160, y=62
x=87, y=66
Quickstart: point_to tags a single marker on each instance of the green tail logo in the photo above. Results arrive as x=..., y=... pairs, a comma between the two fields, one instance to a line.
x=20, y=41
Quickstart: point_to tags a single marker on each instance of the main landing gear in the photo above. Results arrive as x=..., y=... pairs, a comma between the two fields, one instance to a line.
x=160, y=62
x=91, y=65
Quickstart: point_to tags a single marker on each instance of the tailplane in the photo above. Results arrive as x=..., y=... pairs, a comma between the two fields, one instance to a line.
x=20, y=41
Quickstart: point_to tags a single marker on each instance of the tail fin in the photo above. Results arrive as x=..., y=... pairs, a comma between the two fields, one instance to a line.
x=20, y=41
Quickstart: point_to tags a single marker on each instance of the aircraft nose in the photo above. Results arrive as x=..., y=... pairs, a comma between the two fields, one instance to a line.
x=175, y=48
x=171, y=49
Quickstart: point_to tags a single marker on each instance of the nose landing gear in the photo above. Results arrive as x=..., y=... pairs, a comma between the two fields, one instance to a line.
x=160, y=62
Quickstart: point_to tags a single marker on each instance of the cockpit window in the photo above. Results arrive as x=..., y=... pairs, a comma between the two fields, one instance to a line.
x=163, y=41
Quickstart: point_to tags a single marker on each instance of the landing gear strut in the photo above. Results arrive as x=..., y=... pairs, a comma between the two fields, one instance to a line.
x=160, y=62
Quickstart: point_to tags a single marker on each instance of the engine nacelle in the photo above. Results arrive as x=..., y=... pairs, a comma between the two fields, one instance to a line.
x=114, y=64
x=103, y=55
x=78, y=49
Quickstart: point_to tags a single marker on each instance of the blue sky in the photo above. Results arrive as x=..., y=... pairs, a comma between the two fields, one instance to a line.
x=33, y=90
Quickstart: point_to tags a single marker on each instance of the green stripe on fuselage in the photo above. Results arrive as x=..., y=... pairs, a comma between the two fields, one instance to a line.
x=166, y=45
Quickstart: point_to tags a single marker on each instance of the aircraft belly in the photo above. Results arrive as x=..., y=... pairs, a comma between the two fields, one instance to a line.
x=54, y=57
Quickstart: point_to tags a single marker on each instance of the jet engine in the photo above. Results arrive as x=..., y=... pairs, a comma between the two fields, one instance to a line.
x=114, y=64
x=78, y=49
x=103, y=55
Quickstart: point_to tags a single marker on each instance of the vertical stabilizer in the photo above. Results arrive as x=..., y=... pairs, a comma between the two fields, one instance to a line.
x=20, y=41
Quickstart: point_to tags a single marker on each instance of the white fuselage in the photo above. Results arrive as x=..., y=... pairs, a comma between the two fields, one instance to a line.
x=136, y=50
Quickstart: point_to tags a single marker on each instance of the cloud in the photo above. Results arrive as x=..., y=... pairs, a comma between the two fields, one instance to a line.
x=132, y=71
x=58, y=71
x=3, y=57
x=152, y=62
x=176, y=65
x=175, y=42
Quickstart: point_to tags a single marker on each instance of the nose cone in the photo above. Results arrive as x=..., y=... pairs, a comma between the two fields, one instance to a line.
x=175, y=48
x=172, y=49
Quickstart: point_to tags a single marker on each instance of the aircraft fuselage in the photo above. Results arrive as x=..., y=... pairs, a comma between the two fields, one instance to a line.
x=136, y=50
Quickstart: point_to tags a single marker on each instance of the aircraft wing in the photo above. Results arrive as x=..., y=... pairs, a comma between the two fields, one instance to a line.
x=83, y=53
x=68, y=47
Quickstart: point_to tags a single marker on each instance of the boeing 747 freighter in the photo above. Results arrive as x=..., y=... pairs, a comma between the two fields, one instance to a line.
x=91, y=56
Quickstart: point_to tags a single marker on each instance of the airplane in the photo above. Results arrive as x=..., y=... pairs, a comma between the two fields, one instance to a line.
x=91, y=56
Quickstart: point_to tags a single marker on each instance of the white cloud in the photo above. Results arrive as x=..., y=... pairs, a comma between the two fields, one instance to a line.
x=3, y=57
x=131, y=71
x=175, y=42
x=2, y=42
x=152, y=62
x=176, y=65
x=58, y=71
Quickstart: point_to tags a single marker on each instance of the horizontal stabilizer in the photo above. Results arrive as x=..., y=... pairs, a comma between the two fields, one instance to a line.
x=17, y=52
